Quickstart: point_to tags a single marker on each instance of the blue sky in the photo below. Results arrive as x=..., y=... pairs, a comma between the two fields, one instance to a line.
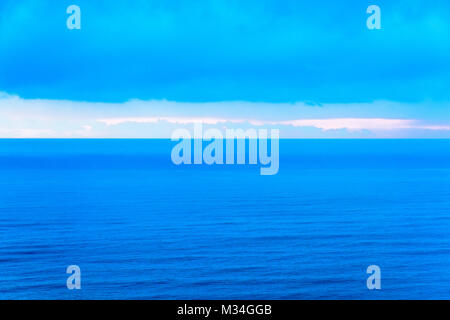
x=274, y=54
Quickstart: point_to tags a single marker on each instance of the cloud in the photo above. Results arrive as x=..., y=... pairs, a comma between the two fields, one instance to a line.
x=34, y=118
x=355, y=124
x=352, y=124
x=177, y=120
x=26, y=133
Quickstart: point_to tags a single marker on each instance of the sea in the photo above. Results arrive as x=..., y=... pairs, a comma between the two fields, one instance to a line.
x=140, y=227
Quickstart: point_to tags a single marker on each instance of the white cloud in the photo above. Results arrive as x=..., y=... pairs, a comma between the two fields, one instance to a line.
x=355, y=124
x=180, y=120
x=26, y=133
x=351, y=124
x=33, y=118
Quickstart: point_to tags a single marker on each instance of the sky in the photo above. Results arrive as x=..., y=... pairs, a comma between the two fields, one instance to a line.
x=144, y=68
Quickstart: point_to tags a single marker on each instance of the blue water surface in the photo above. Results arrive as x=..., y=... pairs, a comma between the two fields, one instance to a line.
x=141, y=227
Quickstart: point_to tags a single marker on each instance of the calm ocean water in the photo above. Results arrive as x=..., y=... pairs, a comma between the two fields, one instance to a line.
x=140, y=227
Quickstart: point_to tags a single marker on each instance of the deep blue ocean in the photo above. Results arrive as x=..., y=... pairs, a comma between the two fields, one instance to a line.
x=141, y=227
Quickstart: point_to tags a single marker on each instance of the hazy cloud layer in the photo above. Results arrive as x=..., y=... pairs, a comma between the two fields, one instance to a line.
x=23, y=118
